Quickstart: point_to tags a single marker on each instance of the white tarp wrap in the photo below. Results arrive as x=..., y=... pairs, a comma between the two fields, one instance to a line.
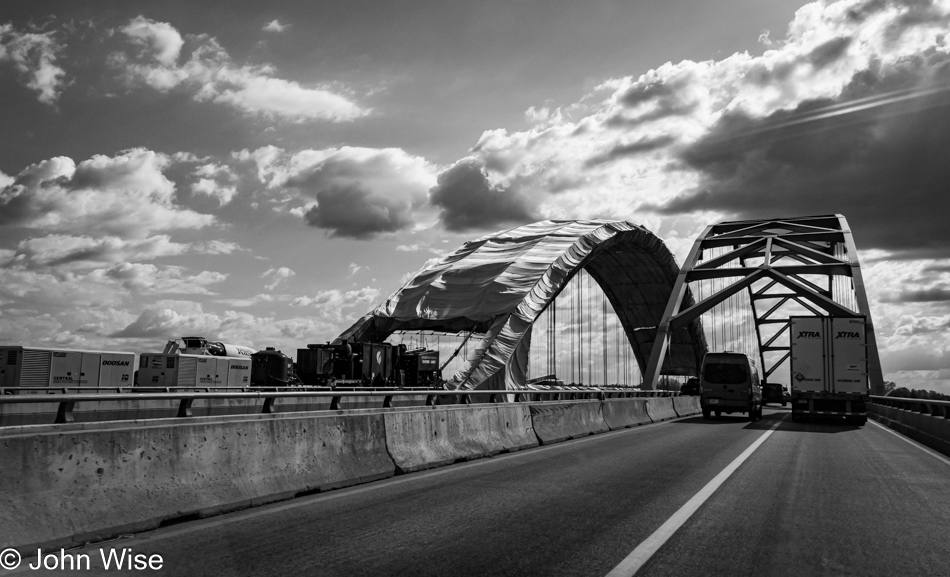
x=500, y=283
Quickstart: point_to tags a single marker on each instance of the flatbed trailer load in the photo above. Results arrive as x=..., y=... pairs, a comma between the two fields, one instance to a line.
x=829, y=367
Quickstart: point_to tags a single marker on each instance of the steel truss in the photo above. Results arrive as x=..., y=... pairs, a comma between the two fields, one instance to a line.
x=784, y=251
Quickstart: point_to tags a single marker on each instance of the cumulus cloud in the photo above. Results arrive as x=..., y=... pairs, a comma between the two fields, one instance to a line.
x=150, y=279
x=275, y=26
x=127, y=196
x=34, y=56
x=330, y=304
x=277, y=276
x=216, y=181
x=468, y=200
x=174, y=319
x=67, y=251
x=209, y=74
x=359, y=192
x=216, y=247
x=848, y=113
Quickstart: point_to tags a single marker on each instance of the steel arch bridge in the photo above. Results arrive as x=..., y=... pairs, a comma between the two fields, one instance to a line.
x=499, y=285
x=806, y=266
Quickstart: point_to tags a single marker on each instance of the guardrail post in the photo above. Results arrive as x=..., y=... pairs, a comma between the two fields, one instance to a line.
x=64, y=414
x=184, y=408
x=268, y=405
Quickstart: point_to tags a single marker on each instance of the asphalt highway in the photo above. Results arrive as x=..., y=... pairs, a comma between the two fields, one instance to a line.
x=814, y=498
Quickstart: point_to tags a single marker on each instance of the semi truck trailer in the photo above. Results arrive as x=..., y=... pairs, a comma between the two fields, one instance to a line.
x=829, y=367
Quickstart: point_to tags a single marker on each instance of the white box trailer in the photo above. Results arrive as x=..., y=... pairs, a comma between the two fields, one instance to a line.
x=829, y=367
x=193, y=371
x=34, y=369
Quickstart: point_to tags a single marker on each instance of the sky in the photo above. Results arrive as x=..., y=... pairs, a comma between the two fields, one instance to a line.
x=266, y=173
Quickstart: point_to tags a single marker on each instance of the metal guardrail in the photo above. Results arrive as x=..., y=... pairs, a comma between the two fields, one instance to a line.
x=67, y=401
x=923, y=406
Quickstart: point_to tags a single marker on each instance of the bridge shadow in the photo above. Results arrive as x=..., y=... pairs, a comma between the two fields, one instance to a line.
x=814, y=424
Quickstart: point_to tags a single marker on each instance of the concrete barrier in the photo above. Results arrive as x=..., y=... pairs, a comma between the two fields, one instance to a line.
x=136, y=409
x=621, y=413
x=928, y=430
x=68, y=484
x=660, y=409
x=685, y=406
x=425, y=438
x=562, y=420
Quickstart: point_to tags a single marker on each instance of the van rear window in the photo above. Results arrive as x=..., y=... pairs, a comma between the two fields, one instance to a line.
x=725, y=373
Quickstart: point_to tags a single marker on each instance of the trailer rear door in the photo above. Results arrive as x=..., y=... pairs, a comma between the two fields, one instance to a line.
x=849, y=360
x=807, y=340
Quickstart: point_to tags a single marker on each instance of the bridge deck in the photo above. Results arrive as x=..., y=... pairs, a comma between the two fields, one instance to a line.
x=815, y=498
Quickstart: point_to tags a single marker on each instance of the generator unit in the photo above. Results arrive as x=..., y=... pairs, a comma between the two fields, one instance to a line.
x=272, y=368
x=418, y=367
x=193, y=371
x=42, y=368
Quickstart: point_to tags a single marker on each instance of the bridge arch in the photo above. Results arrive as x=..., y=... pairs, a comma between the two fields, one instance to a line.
x=499, y=284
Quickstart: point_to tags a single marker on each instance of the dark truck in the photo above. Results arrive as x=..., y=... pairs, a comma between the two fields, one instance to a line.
x=773, y=393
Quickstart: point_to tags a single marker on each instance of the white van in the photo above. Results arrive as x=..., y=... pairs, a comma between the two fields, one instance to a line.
x=729, y=383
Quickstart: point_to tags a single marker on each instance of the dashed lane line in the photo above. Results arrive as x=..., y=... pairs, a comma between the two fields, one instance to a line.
x=639, y=556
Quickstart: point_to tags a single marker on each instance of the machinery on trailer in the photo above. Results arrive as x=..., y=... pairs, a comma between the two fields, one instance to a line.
x=272, y=369
x=829, y=367
x=196, y=363
x=202, y=346
x=367, y=364
x=193, y=371
x=37, y=369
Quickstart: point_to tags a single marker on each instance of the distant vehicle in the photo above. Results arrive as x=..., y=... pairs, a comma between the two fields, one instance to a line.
x=730, y=384
x=773, y=393
x=691, y=387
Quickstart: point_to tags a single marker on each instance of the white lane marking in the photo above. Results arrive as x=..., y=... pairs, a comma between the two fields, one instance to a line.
x=912, y=442
x=162, y=533
x=636, y=559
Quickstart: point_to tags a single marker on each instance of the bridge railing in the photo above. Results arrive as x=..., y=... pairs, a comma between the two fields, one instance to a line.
x=924, y=406
x=67, y=402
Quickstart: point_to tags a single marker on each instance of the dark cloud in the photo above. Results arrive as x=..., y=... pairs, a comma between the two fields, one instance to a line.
x=468, y=201
x=352, y=211
x=630, y=149
x=828, y=52
x=878, y=155
x=665, y=99
x=932, y=295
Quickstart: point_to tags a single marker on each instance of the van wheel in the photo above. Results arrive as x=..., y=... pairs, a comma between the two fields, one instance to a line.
x=752, y=413
x=706, y=413
x=718, y=414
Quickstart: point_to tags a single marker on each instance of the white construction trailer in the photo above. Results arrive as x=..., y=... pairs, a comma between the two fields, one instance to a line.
x=39, y=369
